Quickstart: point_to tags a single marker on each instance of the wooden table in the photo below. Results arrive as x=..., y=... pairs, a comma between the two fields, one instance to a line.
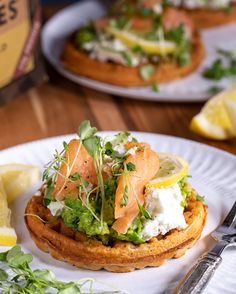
x=57, y=107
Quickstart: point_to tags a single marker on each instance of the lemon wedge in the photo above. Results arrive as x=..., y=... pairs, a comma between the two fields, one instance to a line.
x=230, y=106
x=17, y=178
x=215, y=121
x=151, y=47
x=7, y=234
x=172, y=169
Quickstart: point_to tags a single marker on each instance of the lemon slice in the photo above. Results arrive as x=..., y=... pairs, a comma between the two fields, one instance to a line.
x=172, y=169
x=7, y=234
x=214, y=121
x=151, y=47
x=17, y=178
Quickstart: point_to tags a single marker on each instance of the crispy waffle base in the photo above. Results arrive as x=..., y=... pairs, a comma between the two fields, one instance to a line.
x=206, y=18
x=80, y=63
x=76, y=248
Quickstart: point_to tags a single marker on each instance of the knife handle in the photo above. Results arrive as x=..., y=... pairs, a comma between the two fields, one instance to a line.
x=199, y=276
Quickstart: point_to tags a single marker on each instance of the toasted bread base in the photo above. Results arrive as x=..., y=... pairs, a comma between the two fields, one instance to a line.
x=80, y=63
x=208, y=18
x=51, y=235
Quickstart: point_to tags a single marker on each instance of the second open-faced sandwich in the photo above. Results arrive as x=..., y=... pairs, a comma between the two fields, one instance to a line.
x=208, y=13
x=136, y=45
x=114, y=203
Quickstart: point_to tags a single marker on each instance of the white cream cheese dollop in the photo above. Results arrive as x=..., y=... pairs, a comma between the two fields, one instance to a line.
x=164, y=206
x=56, y=207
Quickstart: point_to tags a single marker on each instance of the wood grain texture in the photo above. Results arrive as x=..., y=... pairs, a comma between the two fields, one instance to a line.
x=58, y=107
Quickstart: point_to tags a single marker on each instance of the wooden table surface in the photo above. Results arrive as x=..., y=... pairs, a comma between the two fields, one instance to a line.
x=58, y=106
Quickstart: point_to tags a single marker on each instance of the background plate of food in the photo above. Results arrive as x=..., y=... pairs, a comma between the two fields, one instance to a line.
x=213, y=176
x=132, y=78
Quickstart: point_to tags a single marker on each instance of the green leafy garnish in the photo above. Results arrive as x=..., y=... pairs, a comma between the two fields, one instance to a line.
x=200, y=198
x=130, y=166
x=178, y=36
x=18, y=277
x=155, y=87
x=222, y=67
x=145, y=11
x=143, y=211
x=85, y=35
x=214, y=90
x=146, y=71
x=86, y=131
x=124, y=200
x=128, y=58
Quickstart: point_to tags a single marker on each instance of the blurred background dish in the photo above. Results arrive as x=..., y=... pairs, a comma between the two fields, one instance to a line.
x=210, y=13
x=192, y=88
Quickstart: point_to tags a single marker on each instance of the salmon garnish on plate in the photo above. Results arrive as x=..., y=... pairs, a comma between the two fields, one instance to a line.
x=77, y=161
x=130, y=190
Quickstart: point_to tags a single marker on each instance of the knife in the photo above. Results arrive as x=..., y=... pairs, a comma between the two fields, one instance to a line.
x=201, y=273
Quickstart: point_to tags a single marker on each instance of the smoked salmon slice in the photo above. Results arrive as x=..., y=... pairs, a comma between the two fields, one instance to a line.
x=77, y=160
x=173, y=18
x=131, y=185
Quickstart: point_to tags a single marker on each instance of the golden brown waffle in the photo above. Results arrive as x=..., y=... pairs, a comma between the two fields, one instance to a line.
x=80, y=63
x=51, y=235
x=207, y=18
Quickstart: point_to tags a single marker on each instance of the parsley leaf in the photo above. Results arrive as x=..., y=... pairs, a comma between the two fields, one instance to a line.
x=130, y=166
x=146, y=71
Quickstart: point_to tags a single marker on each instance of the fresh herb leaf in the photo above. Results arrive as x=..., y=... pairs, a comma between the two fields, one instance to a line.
x=3, y=256
x=144, y=212
x=128, y=8
x=65, y=145
x=216, y=72
x=75, y=176
x=3, y=275
x=146, y=71
x=120, y=22
x=20, y=278
x=130, y=166
x=86, y=131
x=128, y=58
x=222, y=67
x=92, y=145
x=155, y=87
x=124, y=200
x=85, y=35
x=200, y=198
x=145, y=11
x=225, y=53
x=214, y=90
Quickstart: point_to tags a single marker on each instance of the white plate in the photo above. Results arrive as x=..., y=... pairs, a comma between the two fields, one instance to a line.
x=213, y=175
x=193, y=88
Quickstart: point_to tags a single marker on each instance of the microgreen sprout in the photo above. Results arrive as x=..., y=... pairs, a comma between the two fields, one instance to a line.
x=16, y=276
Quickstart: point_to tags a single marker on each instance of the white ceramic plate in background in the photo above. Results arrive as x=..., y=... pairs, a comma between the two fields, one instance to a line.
x=213, y=175
x=193, y=88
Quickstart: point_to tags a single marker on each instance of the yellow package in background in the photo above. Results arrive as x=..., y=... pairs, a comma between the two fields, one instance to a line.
x=14, y=30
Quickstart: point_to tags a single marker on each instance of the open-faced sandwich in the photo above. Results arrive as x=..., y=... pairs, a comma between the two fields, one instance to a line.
x=114, y=203
x=136, y=45
x=208, y=13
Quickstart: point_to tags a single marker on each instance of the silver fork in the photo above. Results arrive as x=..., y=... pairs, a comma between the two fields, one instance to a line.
x=201, y=273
